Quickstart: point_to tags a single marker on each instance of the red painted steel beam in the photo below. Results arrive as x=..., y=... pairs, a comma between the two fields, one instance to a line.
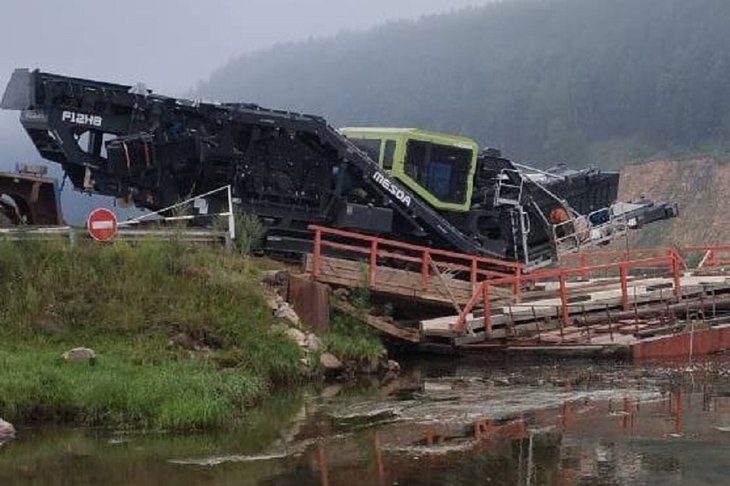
x=344, y=246
x=704, y=341
x=373, y=266
x=473, y=274
x=487, y=309
x=565, y=313
x=425, y=269
x=623, y=275
x=475, y=296
x=676, y=275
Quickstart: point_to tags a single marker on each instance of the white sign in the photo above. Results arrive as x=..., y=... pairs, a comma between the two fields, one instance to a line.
x=392, y=188
x=81, y=118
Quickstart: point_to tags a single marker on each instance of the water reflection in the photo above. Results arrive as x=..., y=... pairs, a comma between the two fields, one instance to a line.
x=563, y=424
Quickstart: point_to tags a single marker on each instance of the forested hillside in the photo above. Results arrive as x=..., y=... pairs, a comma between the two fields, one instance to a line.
x=547, y=81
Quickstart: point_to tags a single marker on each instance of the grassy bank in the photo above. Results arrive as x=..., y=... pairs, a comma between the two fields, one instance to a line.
x=350, y=339
x=184, y=335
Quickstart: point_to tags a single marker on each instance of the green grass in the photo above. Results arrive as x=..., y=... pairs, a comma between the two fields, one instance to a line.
x=351, y=339
x=125, y=287
x=249, y=232
x=126, y=301
x=38, y=386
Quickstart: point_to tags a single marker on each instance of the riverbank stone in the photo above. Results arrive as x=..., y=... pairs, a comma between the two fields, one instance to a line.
x=314, y=343
x=275, y=278
x=285, y=311
x=7, y=431
x=393, y=366
x=297, y=336
x=80, y=355
x=275, y=301
x=330, y=362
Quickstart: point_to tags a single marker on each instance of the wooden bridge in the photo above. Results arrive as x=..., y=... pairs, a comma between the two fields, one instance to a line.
x=601, y=300
x=404, y=270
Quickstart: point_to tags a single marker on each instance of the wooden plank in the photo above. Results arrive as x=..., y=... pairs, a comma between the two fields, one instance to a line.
x=355, y=270
x=404, y=283
x=589, y=297
x=597, y=300
x=389, y=328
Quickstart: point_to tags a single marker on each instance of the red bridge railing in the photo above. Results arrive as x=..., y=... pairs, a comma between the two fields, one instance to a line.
x=671, y=260
x=711, y=255
x=487, y=273
x=375, y=248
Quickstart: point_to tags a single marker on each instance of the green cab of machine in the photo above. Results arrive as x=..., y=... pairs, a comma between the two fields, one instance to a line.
x=438, y=167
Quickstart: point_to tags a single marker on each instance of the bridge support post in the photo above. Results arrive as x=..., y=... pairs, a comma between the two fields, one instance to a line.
x=426, y=269
x=565, y=314
x=676, y=276
x=623, y=274
x=517, y=290
x=317, y=254
x=373, y=262
x=487, y=309
x=473, y=274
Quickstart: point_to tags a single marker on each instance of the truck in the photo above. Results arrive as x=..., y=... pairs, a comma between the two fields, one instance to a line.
x=292, y=170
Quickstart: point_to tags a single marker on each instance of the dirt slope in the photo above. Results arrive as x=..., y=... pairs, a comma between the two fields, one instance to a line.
x=700, y=186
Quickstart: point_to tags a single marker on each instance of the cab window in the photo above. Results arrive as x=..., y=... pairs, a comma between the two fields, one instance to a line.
x=371, y=146
x=441, y=169
x=388, y=154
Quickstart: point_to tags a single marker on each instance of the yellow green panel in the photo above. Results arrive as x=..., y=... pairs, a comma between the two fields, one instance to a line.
x=402, y=136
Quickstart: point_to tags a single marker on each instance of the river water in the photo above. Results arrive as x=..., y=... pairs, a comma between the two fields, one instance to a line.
x=443, y=422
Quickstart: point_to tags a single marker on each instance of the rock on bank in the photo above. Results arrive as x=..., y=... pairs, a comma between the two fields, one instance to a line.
x=7, y=431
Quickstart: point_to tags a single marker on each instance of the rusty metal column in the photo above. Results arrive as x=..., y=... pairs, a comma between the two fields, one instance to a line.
x=622, y=270
x=565, y=315
x=473, y=275
x=317, y=255
x=676, y=276
x=425, y=269
x=517, y=290
x=487, y=309
x=373, y=262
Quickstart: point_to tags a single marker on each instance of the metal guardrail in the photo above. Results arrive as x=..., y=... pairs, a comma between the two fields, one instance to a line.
x=132, y=229
x=18, y=233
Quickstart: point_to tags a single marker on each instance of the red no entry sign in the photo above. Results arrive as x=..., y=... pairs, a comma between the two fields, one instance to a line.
x=102, y=224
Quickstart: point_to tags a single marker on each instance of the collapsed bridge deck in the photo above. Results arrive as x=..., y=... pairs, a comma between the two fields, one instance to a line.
x=598, y=301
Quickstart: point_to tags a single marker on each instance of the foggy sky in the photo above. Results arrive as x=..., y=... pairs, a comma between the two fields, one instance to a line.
x=169, y=45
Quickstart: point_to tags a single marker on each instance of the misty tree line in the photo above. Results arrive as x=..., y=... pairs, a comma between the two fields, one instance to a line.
x=546, y=81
